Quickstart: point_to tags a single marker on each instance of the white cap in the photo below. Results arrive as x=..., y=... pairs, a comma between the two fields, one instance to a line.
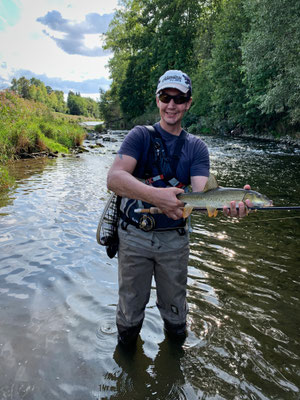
x=174, y=79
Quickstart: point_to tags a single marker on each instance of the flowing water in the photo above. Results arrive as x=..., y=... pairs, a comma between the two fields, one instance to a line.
x=58, y=289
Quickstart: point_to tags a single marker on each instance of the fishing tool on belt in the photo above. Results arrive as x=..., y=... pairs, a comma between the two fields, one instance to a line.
x=107, y=231
x=146, y=223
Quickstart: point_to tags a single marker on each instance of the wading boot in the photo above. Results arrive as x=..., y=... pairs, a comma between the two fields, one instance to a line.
x=127, y=336
x=175, y=332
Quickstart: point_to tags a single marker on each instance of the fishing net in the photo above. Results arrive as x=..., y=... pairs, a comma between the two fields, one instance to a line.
x=107, y=232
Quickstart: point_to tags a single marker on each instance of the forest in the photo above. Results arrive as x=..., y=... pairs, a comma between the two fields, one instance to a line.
x=34, y=89
x=242, y=56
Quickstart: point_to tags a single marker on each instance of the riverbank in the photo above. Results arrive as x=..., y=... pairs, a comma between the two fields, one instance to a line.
x=29, y=128
x=292, y=140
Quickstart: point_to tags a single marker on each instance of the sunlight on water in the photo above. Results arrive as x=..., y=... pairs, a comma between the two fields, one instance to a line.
x=58, y=289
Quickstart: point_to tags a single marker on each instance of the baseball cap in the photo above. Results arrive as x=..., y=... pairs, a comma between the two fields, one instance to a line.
x=174, y=79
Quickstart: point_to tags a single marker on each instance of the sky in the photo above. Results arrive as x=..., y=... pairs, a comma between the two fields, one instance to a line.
x=56, y=41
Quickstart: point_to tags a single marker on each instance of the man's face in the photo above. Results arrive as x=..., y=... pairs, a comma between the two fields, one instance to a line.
x=171, y=114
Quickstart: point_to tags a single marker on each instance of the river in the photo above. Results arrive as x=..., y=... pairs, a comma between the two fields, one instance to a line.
x=58, y=289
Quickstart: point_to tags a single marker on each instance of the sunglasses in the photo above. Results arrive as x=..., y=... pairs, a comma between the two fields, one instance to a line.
x=178, y=99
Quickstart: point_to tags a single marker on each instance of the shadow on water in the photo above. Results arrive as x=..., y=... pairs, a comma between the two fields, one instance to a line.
x=22, y=170
x=58, y=289
x=138, y=376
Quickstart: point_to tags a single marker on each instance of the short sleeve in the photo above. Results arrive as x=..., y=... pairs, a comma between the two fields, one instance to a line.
x=134, y=143
x=200, y=163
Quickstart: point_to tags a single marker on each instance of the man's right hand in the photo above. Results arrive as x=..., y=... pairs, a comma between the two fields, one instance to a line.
x=165, y=199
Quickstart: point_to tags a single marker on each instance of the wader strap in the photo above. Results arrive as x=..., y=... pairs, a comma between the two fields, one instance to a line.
x=177, y=151
x=173, y=160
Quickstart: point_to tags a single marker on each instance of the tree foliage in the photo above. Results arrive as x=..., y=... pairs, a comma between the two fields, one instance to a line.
x=271, y=59
x=78, y=105
x=144, y=37
x=224, y=75
x=34, y=89
x=242, y=55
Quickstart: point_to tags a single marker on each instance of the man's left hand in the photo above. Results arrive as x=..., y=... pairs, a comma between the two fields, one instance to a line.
x=240, y=211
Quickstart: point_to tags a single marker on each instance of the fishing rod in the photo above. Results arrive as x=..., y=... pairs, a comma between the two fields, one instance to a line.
x=155, y=210
x=274, y=208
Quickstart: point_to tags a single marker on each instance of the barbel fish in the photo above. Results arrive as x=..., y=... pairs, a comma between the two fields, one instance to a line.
x=214, y=198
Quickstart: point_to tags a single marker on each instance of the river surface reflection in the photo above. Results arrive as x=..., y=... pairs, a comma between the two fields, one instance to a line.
x=58, y=289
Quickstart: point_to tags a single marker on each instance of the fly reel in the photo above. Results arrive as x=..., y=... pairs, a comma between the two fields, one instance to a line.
x=146, y=223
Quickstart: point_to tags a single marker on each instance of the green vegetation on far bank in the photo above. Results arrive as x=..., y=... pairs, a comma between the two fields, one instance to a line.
x=242, y=56
x=35, y=89
x=29, y=127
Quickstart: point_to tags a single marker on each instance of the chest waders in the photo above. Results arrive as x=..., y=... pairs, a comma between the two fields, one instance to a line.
x=159, y=171
x=142, y=256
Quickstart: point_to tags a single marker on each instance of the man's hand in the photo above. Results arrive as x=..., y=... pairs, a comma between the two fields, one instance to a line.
x=165, y=199
x=242, y=209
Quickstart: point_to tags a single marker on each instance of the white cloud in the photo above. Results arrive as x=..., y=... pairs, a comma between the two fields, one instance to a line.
x=24, y=46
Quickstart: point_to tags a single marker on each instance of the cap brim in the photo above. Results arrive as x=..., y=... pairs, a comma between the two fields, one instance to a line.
x=173, y=85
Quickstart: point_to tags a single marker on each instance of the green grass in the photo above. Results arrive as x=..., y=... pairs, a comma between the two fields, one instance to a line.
x=27, y=126
x=54, y=146
x=30, y=127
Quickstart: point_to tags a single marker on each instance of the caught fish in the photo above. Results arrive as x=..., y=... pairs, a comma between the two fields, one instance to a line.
x=215, y=197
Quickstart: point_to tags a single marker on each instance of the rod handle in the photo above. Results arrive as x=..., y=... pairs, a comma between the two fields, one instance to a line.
x=151, y=210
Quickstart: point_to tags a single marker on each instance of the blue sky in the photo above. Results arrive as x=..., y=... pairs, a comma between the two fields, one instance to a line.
x=56, y=41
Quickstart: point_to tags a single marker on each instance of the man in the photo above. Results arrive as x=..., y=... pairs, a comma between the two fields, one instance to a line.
x=157, y=246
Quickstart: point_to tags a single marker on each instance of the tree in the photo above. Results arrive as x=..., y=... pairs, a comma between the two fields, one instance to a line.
x=92, y=107
x=242, y=55
x=147, y=38
x=201, y=112
x=61, y=104
x=34, y=89
x=109, y=109
x=78, y=105
x=271, y=61
x=229, y=90
x=21, y=87
x=41, y=94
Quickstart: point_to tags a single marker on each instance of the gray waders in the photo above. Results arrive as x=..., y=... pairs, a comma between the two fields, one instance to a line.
x=142, y=255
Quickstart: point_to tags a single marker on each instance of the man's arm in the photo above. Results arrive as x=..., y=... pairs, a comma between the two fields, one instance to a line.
x=198, y=183
x=121, y=181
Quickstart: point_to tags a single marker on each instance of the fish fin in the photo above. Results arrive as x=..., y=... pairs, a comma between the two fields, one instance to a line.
x=211, y=183
x=247, y=209
x=187, y=210
x=212, y=212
